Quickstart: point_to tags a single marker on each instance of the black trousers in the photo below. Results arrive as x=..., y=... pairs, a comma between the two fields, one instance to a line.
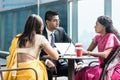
x=62, y=70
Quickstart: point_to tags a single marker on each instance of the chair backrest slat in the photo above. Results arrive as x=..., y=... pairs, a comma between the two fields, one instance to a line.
x=17, y=69
x=108, y=62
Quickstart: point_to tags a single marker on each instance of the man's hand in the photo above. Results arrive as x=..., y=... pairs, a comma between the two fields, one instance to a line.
x=78, y=66
x=51, y=65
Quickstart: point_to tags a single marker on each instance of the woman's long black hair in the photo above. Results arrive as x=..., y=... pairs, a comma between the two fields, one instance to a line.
x=107, y=22
x=32, y=27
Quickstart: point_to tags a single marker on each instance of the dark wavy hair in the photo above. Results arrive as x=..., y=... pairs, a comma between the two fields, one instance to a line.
x=33, y=26
x=108, y=24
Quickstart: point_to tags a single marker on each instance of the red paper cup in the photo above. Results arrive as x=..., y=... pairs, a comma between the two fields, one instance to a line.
x=78, y=49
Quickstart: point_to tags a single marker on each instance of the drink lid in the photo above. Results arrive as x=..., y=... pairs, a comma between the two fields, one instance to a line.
x=78, y=44
x=78, y=48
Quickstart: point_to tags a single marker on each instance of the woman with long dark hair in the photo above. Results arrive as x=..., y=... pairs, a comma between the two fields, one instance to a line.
x=27, y=51
x=106, y=39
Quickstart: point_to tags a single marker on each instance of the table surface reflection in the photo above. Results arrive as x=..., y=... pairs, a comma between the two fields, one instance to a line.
x=84, y=57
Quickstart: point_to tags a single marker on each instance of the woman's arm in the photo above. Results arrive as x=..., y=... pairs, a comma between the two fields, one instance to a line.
x=51, y=51
x=103, y=54
x=92, y=46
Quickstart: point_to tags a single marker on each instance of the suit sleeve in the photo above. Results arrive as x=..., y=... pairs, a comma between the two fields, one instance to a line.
x=66, y=38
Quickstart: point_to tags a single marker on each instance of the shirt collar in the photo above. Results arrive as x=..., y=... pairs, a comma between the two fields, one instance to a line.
x=48, y=31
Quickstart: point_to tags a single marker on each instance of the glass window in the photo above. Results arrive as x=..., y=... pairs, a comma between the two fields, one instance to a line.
x=88, y=11
x=116, y=14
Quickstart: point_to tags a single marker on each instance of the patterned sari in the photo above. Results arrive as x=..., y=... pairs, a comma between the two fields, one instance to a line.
x=93, y=72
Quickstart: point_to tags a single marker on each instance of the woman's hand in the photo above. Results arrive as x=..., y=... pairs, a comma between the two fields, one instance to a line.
x=78, y=67
x=85, y=52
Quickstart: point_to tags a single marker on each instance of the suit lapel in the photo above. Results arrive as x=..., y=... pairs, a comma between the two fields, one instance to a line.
x=45, y=33
x=57, y=37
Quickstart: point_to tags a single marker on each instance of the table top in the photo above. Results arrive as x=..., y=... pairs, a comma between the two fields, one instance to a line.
x=85, y=57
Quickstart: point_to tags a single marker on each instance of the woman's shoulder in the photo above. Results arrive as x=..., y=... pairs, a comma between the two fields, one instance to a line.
x=39, y=35
x=107, y=35
x=111, y=35
x=41, y=39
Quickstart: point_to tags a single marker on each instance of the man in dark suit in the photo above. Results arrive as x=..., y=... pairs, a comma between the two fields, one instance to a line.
x=53, y=32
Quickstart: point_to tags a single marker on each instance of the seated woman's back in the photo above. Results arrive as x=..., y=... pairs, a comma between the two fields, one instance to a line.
x=31, y=51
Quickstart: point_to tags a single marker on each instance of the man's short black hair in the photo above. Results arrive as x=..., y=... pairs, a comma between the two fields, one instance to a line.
x=50, y=14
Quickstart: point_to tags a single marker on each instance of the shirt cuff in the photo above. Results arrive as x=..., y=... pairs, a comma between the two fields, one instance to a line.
x=79, y=63
x=46, y=61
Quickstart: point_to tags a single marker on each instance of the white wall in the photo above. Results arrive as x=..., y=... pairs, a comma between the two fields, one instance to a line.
x=116, y=14
x=88, y=11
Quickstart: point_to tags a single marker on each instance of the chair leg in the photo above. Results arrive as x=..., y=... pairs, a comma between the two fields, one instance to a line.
x=54, y=77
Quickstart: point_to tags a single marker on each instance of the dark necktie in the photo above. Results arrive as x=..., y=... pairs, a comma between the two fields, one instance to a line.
x=52, y=40
x=52, y=44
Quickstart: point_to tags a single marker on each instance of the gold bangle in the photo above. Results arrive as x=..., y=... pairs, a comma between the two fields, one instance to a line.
x=89, y=53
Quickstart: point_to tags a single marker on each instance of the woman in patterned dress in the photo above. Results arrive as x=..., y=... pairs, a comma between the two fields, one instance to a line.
x=106, y=40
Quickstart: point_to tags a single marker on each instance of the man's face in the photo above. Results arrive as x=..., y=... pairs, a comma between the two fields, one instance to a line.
x=53, y=23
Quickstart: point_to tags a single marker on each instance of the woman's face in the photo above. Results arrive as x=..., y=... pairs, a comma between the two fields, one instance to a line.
x=99, y=28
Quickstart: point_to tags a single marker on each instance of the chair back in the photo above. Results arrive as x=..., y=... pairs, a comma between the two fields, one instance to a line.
x=18, y=69
x=108, y=60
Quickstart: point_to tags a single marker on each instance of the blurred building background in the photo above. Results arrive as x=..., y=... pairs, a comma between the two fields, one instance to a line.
x=13, y=15
x=78, y=17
